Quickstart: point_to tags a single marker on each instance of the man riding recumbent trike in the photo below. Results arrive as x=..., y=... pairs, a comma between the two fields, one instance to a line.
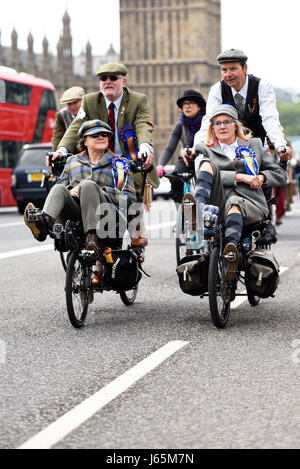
x=88, y=213
x=228, y=216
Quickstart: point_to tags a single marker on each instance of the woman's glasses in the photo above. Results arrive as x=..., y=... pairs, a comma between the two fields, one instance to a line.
x=100, y=134
x=227, y=123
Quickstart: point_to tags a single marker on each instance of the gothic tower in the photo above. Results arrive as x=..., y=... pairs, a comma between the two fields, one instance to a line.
x=169, y=46
x=15, y=54
x=30, y=58
x=66, y=51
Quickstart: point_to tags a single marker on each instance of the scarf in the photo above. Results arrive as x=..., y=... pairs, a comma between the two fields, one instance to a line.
x=192, y=125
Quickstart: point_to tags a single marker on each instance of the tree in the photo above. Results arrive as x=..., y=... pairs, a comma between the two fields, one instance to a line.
x=289, y=117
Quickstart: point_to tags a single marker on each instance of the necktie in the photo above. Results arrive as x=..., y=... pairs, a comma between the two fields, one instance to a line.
x=112, y=123
x=239, y=104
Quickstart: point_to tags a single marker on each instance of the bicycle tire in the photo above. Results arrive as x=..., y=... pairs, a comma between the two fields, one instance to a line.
x=252, y=298
x=77, y=291
x=218, y=293
x=129, y=297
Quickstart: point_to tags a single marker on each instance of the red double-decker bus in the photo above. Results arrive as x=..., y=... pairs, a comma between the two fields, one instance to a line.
x=27, y=115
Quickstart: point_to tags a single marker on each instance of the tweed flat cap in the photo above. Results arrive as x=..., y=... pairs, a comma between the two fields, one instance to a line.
x=72, y=94
x=224, y=109
x=232, y=55
x=112, y=68
x=93, y=127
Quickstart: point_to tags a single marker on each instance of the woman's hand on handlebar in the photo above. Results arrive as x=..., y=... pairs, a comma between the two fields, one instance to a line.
x=188, y=155
x=160, y=171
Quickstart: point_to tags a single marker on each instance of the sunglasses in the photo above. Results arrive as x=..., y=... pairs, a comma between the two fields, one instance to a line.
x=111, y=77
x=100, y=134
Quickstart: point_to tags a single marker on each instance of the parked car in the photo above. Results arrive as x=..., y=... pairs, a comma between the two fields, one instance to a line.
x=27, y=175
x=164, y=187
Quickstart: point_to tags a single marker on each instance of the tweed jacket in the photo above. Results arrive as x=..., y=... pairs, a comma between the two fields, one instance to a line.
x=61, y=125
x=134, y=110
x=78, y=168
x=274, y=174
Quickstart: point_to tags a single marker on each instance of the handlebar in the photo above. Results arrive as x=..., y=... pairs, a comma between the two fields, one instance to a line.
x=136, y=166
x=57, y=165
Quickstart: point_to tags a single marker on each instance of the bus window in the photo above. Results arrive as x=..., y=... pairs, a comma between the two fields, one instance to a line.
x=17, y=93
x=8, y=153
x=48, y=102
x=2, y=91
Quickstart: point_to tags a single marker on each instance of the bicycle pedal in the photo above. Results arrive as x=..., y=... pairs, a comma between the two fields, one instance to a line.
x=230, y=256
x=34, y=214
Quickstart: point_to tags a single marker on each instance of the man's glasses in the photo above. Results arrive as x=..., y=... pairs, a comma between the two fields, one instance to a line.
x=100, y=134
x=111, y=77
x=227, y=122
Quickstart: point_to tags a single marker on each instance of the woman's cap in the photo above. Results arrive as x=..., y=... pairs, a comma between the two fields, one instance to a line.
x=191, y=95
x=93, y=127
x=224, y=109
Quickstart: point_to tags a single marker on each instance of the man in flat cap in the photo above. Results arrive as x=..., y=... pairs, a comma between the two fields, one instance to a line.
x=72, y=98
x=253, y=98
x=118, y=106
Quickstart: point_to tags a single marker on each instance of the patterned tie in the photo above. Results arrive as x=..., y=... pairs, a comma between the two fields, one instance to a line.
x=239, y=104
x=112, y=123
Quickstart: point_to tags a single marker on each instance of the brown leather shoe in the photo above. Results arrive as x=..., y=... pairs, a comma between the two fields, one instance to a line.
x=97, y=275
x=139, y=242
x=92, y=243
x=37, y=227
x=231, y=256
x=139, y=238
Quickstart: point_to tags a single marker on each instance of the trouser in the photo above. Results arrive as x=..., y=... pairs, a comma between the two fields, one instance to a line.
x=176, y=183
x=250, y=212
x=88, y=206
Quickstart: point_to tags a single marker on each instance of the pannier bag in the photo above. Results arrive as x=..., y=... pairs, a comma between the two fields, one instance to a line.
x=262, y=275
x=193, y=275
x=124, y=273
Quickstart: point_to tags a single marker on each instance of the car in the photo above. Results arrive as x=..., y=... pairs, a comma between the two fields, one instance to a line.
x=27, y=175
x=164, y=187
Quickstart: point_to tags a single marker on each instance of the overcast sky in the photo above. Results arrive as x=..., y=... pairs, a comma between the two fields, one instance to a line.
x=267, y=30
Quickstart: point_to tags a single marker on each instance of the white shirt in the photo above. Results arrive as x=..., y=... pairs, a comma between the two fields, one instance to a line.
x=117, y=104
x=267, y=110
x=118, y=150
x=229, y=150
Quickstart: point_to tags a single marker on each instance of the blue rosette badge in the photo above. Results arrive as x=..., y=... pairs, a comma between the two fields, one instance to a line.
x=120, y=166
x=250, y=162
x=128, y=136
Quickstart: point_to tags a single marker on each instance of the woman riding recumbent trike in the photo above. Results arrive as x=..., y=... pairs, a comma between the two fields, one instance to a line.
x=231, y=170
x=93, y=196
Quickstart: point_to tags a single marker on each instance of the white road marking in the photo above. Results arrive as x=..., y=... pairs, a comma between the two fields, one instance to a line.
x=23, y=252
x=160, y=225
x=241, y=299
x=10, y=225
x=81, y=413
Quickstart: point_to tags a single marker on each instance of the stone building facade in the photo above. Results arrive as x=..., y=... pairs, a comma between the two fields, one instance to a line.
x=169, y=46
x=63, y=69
